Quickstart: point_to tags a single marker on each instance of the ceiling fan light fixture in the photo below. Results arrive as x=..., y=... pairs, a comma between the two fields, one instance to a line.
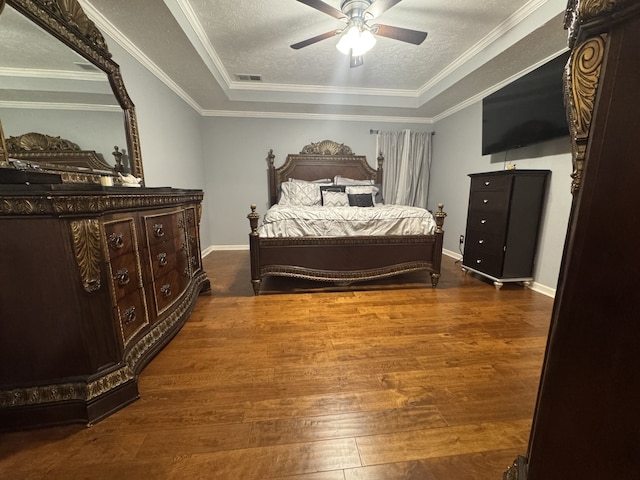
x=356, y=40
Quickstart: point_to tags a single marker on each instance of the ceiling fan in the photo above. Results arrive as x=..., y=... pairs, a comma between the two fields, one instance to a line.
x=358, y=36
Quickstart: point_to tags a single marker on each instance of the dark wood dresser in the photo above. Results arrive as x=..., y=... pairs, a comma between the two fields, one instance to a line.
x=94, y=283
x=503, y=219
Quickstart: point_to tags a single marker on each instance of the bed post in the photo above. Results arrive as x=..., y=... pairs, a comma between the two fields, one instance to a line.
x=254, y=249
x=437, y=248
x=273, y=185
x=379, y=173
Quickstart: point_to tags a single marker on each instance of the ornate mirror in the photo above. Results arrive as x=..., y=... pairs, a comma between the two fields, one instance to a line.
x=55, y=63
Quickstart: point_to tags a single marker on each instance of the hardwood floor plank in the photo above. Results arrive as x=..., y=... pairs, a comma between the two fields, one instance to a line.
x=381, y=380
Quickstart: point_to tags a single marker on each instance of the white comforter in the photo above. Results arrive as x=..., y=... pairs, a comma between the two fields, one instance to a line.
x=286, y=221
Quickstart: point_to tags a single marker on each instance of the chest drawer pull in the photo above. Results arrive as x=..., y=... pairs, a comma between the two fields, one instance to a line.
x=483, y=221
x=115, y=241
x=479, y=261
x=485, y=201
x=129, y=316
x=166, y=290
x=122, y=276
x=162, y=259
x=487, y=183
x=480, y=242
x=158, y=230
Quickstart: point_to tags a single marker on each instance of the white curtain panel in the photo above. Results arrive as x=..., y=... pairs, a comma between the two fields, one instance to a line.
x=407, y=165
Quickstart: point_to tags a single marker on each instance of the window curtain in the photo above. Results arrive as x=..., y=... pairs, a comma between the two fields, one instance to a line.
x=407, y=166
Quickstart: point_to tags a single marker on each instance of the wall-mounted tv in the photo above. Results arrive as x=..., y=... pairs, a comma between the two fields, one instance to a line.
x=527, y=111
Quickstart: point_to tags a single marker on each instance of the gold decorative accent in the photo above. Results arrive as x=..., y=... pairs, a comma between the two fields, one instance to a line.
x=253, y=220
x=582, y=76
x=588, y=9
x=58, y=203
x=66, y=20
x=326, y=147
x=440, y=215
x=38, y=141
x=86, y=244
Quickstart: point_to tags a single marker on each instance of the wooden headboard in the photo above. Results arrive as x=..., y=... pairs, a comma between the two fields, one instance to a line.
x=324, y=159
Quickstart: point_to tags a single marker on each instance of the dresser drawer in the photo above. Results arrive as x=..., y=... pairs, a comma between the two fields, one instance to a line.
x=119, y=236
x=484, y=242
x=168, y=288
x=131, y=315
x=490, y=183
x=163, y=226
x=480, y=259
x=125, y=275
x=167, y=255
x=489, y=201
x=487, y=223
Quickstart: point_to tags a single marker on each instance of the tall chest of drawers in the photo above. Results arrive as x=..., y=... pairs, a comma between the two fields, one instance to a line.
x=505, y=209
x=95, y=283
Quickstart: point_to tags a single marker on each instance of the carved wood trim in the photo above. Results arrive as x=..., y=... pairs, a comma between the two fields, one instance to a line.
x=346, y=276
x=66, y=20
x=326, y=147
x=87, y=248
x=582, y=77
x=65, y=204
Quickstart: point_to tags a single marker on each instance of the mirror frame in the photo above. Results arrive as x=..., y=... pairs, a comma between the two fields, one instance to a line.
x=67, y=21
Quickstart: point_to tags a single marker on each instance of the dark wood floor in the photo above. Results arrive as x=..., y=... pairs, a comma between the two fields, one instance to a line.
x=378, y=381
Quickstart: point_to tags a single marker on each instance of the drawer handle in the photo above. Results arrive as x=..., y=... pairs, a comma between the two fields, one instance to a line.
x=480, y=242
x=129, y=315
x=485, y=201
x=122, y=276
x=162, y=259
x=478, y=261
x=483, y=221
x=158, y=230
x=487, y=183
x=115, y=241
x=166, y=290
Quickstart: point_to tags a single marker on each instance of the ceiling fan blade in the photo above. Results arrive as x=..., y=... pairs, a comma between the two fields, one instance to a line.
x=316, y=39
x=403, y=34
x=355, y=60
x=325, y=8
x=380, y=6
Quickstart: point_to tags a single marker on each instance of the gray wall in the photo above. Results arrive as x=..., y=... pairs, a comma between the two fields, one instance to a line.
x=169, y=133
x=236, y=162
x=457, y=153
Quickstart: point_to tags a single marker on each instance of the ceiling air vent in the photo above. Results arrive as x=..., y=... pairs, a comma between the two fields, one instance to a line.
x=249, y=77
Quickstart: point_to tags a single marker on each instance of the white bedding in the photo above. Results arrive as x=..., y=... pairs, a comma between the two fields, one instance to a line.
x=322, y=221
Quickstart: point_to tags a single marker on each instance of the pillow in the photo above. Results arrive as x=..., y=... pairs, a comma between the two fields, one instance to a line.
x=363, y=189
x=338, y=180
x=331, y=198
x=360, y=199
x=299, y=194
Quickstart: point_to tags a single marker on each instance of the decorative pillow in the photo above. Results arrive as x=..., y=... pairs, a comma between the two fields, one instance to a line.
x=299, y=194
x=331, y=188
x=332, y=198
x=360, y=199
x=363, y=189
x=338, y=180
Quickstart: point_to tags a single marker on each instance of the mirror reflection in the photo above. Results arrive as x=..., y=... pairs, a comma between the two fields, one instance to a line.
x=46, y=87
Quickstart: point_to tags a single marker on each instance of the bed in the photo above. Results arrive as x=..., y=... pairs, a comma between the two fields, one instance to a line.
x=338, y=258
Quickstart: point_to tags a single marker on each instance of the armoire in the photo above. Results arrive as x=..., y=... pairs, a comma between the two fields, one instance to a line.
x=586, y=423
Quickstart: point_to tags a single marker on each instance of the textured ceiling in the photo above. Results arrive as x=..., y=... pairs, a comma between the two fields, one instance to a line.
x=197, y=47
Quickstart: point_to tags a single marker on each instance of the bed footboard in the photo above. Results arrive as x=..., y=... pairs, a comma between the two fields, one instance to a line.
x=344, y=259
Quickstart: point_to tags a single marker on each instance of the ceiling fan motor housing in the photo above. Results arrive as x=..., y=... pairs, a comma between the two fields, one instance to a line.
x=355, y=8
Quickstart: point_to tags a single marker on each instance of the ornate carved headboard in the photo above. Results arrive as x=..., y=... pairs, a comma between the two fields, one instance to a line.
x=324, y=159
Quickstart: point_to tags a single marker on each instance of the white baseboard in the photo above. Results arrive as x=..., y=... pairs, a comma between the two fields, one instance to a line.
x=213, y=248
x=535, y=286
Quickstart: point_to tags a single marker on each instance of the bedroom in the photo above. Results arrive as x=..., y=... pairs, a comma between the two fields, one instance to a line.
x=224, y=154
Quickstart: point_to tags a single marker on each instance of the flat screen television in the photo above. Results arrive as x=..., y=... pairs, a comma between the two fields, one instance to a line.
x=527, y=111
